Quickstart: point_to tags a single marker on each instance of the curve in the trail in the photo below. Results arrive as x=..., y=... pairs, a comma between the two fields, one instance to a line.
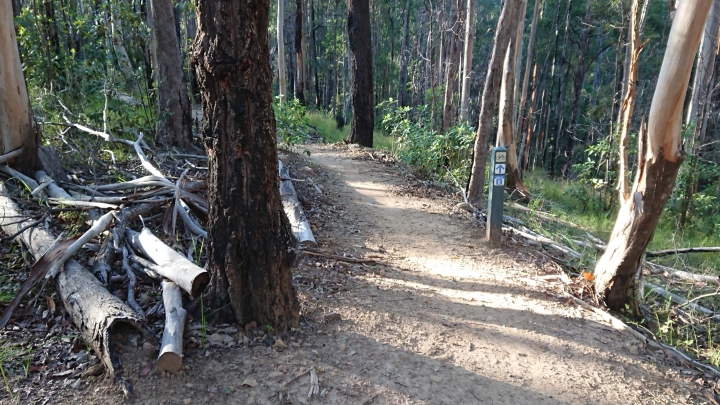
x=457, y=321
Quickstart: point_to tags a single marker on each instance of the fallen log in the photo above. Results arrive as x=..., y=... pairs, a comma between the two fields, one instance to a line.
x=656, y=269
x=668, y=252
x=300, y=226
x=101, y=225
x=95, y=312
x=170, y=264
x=31, y=184
x=170, y=358
x=678, y=299
x=538, y=238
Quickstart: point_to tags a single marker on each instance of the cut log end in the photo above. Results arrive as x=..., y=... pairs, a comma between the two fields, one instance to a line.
x=199, y=283
x=170, y=362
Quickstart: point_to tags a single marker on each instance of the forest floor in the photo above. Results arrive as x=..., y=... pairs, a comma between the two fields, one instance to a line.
x=441, y=317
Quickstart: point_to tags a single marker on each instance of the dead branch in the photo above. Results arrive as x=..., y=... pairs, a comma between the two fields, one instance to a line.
x=131, y=284
x=177, y=198
x=30, y=183
x=668, y=252
x=93, y=309
x=11, y=155
x=171, y=264
x=101, y=225
x=678, y=299
x=144, y=161
x=104, y=135
x=148, y=268
x=538, y=238
x=170, y=358
x=684, y=275
x=300, y=226
x=191, y=224
x=336, y=257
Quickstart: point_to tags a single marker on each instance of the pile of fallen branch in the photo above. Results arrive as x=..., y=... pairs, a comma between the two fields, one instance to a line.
x=108, y=209
x=687, y=311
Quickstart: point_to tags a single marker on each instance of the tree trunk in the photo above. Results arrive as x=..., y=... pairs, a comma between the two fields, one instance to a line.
x=174, y=113
x=281, y=48
x=698, y=109
x=361, y=87
x=528, y=124
x=16, y=122
x=503, y=33
x=404, y=58
x=560, y=103
x=467, y=70
x=578, y=80
x=299, y=60
x=451, y=68
x=526, y=76
x=249, y=234
x=506, y=130
x=628, y=104
x=656, y=174
x=705, y=62
x=314, y=55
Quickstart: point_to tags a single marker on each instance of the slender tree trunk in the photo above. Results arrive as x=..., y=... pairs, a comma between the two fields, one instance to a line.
x=628, y=104
x=451, y=67
x=249, y=234
x=281, y=49
x=529, y=121
x=578, y=80
x=705, y=62
x=299, y=60
x=467, y=70
x=505, y=30
x=314, y=54
x=16, y=122
x=121, y=54
x=361, y=128
x=560, y=103
x=526, y=76
x=506, y=130
x=174, y=113
x=404, y=57
x=191, y=30
x=639, y=215
x=516, y=68
x=697, y=110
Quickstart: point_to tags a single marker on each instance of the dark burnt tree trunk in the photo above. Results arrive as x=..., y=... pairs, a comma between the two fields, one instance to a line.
x=249, y=234
x=299, y=59
x=174, y=125
x=451, y=67
x=657, y=170
x=361, y=82
x=404, y=58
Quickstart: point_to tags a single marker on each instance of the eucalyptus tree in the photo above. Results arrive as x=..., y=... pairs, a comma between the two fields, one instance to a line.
x=17, y=133
x=249, y=234
x=361, y=85
x=659, y=163
x=174, y=126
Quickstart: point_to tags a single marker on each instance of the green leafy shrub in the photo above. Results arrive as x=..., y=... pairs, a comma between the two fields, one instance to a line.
x=291, y=122
x=419, y=145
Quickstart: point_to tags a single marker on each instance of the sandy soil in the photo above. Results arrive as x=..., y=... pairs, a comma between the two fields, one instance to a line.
x=442, y=318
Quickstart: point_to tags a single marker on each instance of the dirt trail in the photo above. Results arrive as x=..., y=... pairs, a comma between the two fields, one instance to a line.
x=441, y=319
x=454, y=321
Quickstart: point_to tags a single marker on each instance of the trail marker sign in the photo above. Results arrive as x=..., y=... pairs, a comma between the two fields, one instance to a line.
x=498, y=161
